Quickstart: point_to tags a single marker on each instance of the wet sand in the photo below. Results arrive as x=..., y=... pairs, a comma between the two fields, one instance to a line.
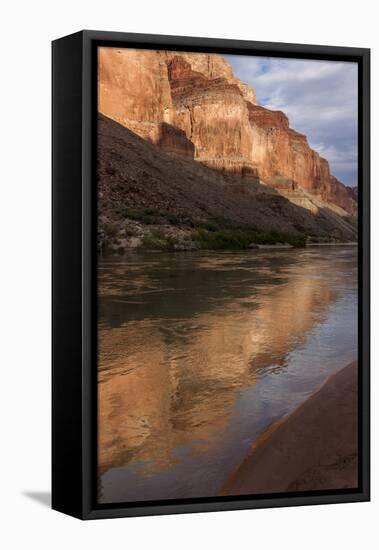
x=314, y=448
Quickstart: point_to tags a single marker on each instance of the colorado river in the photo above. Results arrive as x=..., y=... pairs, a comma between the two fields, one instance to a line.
x=199, y=352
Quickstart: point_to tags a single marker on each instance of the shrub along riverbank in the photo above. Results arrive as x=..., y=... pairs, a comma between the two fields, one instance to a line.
x=159, y=230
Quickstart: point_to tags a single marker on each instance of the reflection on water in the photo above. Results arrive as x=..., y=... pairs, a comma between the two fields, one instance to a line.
x=200, y=352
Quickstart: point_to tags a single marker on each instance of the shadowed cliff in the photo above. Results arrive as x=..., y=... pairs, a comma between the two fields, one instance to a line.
x=140, y=186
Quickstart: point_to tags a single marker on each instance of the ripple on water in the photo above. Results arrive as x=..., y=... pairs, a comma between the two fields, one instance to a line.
x=199, y=353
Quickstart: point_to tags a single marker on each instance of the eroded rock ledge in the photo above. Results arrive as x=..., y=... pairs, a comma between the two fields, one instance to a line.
x=193, y=106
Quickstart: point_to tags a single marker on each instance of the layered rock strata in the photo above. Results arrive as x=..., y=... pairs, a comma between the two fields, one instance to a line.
x=191, y=104
x=136, y=176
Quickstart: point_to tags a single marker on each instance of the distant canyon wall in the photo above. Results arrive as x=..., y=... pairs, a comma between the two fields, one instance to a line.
x=192, y=105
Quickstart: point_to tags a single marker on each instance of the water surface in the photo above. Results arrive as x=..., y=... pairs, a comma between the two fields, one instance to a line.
x=199, y=352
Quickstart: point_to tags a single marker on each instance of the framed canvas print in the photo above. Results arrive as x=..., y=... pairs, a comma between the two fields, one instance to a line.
x=210, y=274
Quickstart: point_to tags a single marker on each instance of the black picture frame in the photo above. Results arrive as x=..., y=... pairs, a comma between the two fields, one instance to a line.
x=74, y=320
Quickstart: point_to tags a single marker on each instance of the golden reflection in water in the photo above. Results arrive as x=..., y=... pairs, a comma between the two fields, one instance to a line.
x=169, y=384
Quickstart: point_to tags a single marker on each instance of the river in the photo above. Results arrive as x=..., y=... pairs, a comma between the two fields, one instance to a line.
x=199, y=352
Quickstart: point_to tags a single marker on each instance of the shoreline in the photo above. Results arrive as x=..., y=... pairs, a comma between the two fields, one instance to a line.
x=255, y=248
x=347, y=243
x=313, y=448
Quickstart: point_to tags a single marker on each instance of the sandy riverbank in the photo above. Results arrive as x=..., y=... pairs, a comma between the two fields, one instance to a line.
x=314, y=448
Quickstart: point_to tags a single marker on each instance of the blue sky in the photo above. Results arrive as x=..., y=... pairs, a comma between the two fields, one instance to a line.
x=320, y=99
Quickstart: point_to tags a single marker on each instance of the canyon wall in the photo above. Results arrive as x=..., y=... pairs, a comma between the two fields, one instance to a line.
x=192, y=105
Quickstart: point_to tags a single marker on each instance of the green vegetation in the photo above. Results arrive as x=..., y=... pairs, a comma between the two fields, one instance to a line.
x=207, y=225
x=274, y=236
x=238, y=238
x=223, y=239
x=111, y=229
x=157, y=240
x=130, y=231
x=208, y=234
x=227, y=239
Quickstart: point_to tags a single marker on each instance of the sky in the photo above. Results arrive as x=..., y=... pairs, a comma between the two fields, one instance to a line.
x=320, y=99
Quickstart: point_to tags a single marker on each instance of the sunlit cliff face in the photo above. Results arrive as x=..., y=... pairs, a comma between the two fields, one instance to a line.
x=168, y=383
x=192, y=105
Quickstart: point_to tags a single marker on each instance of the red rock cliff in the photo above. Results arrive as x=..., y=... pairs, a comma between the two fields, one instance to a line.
x=213, y=114
x=191, y=105
x=134, y=90
x=287, y=162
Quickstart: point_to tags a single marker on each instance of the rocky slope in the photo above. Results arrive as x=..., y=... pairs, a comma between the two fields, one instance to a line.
x=148, y=197
x=193, y=106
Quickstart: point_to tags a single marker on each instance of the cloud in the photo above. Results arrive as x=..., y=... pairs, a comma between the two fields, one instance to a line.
x=319, y=97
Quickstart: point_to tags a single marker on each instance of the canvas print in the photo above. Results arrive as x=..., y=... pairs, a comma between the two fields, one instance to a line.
x=226, y=275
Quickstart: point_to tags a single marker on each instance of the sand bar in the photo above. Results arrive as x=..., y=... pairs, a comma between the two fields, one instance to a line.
x=314, y=448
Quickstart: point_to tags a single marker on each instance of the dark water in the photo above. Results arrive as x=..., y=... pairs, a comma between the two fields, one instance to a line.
x=200, y=352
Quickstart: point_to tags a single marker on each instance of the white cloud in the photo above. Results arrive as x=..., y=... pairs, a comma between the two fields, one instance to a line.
x=319, y=97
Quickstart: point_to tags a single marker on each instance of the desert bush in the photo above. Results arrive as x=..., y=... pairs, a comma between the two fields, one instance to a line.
x=208, y=225
x=157, y=239
x=241, y=238
x=111, y=229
